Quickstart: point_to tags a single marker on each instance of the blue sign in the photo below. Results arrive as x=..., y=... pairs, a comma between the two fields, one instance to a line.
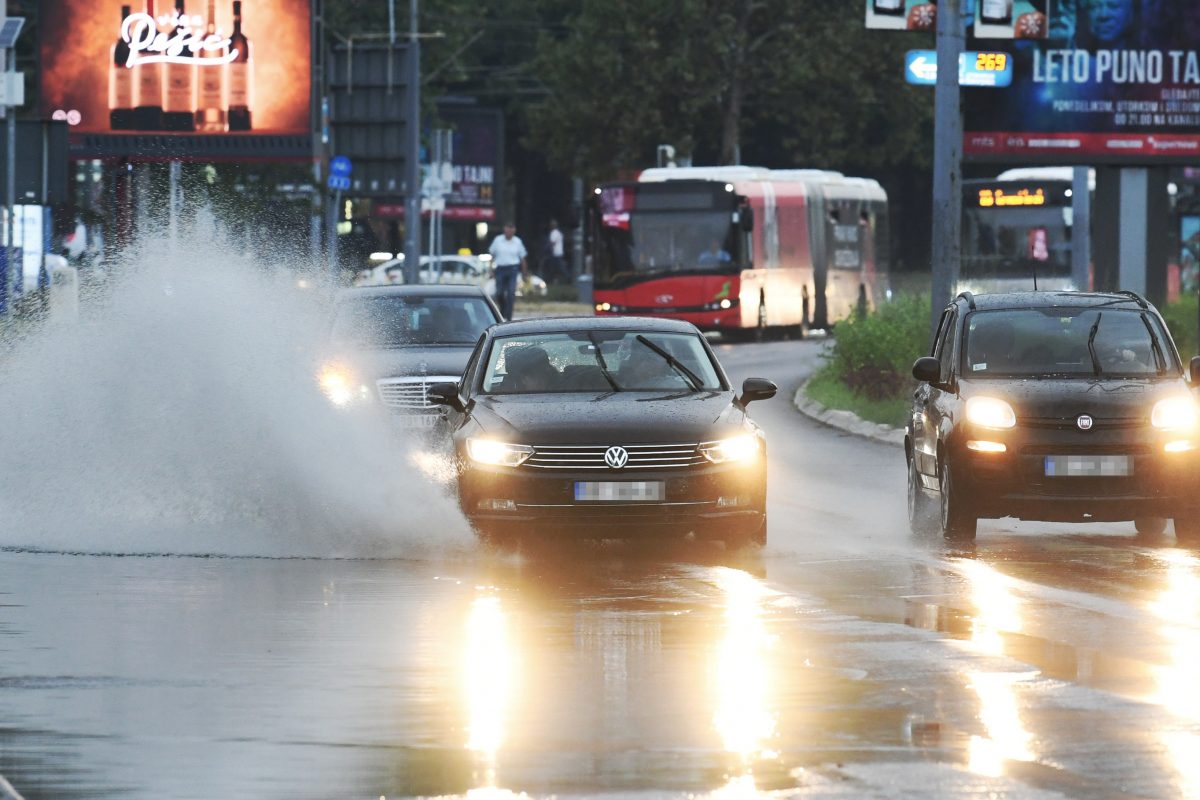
x=340, y=167
x=338, y=183
x=992, y=70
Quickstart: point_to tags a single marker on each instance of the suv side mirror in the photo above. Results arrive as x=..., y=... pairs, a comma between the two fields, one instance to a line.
x=757, y=389
x=1195, y=371
x=446, y=394
x=927, y=370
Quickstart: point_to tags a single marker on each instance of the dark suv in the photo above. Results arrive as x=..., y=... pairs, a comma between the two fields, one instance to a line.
x=1064, y=407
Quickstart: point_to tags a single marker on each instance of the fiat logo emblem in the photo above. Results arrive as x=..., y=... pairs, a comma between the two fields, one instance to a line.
x=616, y=457
x=1085, y=422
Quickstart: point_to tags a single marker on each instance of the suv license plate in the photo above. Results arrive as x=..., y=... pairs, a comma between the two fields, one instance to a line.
x=1089, y=466
x=415, y=421
x=620, y=492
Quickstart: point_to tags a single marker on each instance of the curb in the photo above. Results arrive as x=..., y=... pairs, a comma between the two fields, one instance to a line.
x=845, y=421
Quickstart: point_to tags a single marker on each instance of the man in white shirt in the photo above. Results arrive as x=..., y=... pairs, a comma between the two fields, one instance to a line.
x=556, y=265
x=508, y=257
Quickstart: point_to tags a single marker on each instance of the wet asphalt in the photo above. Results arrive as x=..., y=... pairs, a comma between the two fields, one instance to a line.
x=848, y=659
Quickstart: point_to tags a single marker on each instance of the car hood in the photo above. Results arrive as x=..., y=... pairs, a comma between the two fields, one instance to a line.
x=1062, y=398
x=610, y=417
x=440, y=360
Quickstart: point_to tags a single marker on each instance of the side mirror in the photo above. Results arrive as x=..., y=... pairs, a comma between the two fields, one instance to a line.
x=757, y=389
x=446, y=394
x=1195, y=371
x=746, y=218
x=927, y=370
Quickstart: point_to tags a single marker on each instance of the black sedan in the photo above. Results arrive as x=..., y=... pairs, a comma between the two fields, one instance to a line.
x=606, y=428
x=1054, y=407
x=389, y=344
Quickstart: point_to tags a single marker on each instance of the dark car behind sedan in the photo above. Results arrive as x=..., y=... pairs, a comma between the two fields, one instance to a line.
x=1065, y=407
x=606, y=428
x=388, y=345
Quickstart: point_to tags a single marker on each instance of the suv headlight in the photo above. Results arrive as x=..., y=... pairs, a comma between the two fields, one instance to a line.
x=991, y=412
x=1174, y=414
x=341, y=386
x=499, y=454
x=738, y=448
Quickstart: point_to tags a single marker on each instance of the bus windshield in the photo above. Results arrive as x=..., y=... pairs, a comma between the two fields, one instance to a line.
x=1016, y=242
x=652, y=243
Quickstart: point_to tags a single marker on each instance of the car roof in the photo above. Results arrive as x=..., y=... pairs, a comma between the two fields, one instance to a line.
x=409, y=290
x=565, y=324
x=1006, y=300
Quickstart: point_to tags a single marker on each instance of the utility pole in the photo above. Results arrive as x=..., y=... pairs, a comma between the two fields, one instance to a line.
x=412, y=198
x=947, y=158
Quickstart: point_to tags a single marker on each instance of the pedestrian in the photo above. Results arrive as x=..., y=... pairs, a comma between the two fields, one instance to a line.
x=508, y=258
x=558, y=270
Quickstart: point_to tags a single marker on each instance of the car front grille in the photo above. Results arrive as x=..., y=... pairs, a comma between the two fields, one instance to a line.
x=592, y=457
x=1072, y=423
x=409, y=393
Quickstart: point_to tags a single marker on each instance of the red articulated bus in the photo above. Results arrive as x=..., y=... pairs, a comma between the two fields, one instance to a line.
x=733, y=248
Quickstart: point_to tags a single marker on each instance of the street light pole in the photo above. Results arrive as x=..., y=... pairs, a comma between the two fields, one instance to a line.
x=412, y=199
x=947, y=158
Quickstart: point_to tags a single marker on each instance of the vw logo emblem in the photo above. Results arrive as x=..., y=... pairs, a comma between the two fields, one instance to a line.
x=1085, y=422
x=616, y=457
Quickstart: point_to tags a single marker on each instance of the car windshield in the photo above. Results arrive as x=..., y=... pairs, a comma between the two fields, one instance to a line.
x=1063, y=341
x=600, y=361
x=399, y=321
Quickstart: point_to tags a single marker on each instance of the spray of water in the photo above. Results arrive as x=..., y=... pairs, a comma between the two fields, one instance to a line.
x=181, y=416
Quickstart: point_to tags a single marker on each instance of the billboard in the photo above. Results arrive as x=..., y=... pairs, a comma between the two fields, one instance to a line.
x=132, y=77
x=1116, y=81
x=902, y=15
x=1011, y=19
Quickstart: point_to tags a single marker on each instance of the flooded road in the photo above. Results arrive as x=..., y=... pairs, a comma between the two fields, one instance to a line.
x=846, y=660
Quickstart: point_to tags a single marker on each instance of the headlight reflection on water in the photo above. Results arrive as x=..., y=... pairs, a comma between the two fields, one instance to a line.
x=489, y=672
x=1178, y=607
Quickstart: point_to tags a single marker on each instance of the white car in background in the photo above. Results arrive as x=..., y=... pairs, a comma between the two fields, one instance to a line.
x=453, y=270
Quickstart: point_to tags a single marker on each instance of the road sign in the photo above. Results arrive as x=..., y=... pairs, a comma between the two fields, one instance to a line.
x=338, y=183
x=340, y=167
x=991, y=70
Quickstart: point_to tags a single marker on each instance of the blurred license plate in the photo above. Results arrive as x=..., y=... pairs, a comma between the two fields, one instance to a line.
x=614, y=491
x=1089, y=466
x=415, y=420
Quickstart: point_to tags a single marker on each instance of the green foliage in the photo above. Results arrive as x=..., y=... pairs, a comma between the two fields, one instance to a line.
x=873, y=355
x=1182, y=320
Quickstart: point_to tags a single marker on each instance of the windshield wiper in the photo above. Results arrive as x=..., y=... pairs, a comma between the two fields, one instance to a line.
x=603, y=364
x=690, y=376
x=1160, y=358
x=1092, y=344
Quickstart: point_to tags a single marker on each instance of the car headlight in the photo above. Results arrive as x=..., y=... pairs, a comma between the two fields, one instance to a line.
x=991, y=412
x=738, y=448
x=500, y=454
x=341, y=387
x=1174, y=414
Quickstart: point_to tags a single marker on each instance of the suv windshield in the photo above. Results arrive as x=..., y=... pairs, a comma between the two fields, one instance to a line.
x=399, y=321
x=600, y=361
x=1064, y=341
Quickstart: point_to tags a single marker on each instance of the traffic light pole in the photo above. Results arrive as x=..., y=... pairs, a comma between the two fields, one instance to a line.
x=412, y=195
x=947, y=158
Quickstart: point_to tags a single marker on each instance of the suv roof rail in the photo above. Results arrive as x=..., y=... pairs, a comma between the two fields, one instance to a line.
x=970, y=298
x=1137, y=298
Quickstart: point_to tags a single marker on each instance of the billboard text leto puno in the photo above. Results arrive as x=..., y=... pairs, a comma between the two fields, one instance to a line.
x=176, y=67
x=1117, y=81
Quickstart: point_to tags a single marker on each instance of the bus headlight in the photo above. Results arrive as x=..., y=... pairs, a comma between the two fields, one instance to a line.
x=1174, y=414
x=498, y=454
x=738, y=448
x=991, y=412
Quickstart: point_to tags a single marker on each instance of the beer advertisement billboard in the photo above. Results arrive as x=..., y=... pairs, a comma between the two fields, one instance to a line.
x=1116, y=81
x=902, y=15
x=169, y=70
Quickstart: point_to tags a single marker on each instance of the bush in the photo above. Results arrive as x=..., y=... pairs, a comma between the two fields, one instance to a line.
x=1182, y=321
x=873, y=355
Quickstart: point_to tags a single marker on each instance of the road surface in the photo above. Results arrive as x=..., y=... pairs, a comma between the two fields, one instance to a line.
x=846, y=660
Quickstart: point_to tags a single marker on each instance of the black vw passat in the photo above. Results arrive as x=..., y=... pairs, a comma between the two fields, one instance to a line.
x=1056, y=407
x=606, y=428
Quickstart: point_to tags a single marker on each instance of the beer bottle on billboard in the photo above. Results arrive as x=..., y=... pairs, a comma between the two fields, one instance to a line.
x=120, y=84
x=147, y=85
x=210, y=110
x=893, y=8
x=180, y=110
x=241, y=78
x=997, y=12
